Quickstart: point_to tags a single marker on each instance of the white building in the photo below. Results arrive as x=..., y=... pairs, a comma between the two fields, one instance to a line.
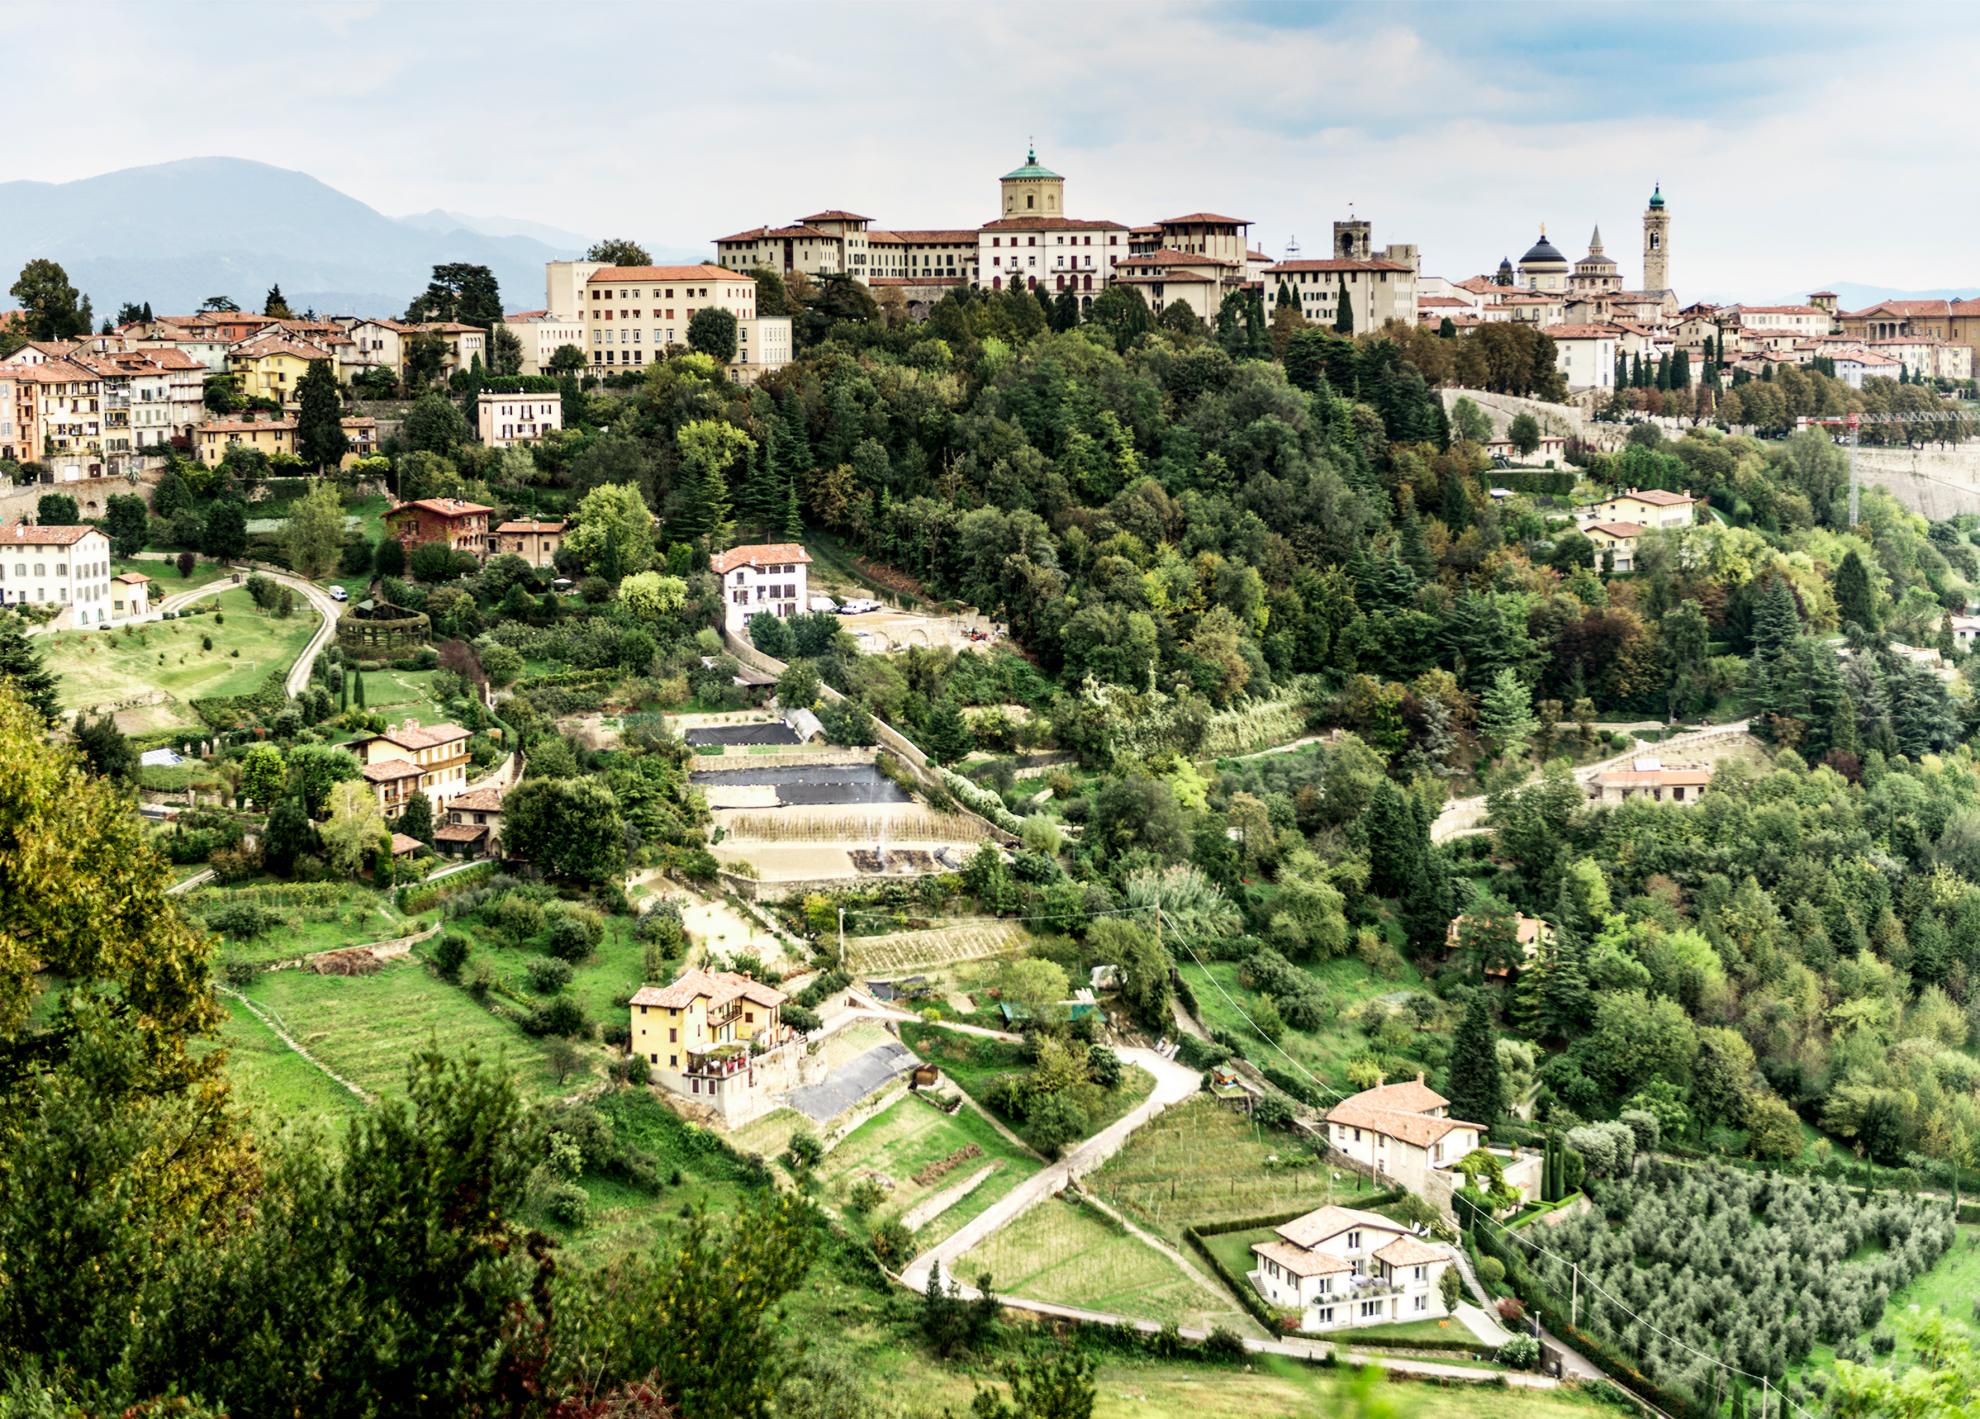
x=542, y=333
x=1646, y=507
x=1585, y=355
x=633, y=314
x=1378, y=289
x=766, y=576
x=60, y=566
x=1340, y=1267
x=1403, y=1131
x=1855, y=366
x=505, y=419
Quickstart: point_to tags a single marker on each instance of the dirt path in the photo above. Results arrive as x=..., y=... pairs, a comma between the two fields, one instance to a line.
x=277, y=1029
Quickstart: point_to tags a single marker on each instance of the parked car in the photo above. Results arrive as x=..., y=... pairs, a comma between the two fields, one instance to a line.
x=337, y=593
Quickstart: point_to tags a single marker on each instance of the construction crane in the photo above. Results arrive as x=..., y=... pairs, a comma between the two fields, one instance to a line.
x=1854, y=424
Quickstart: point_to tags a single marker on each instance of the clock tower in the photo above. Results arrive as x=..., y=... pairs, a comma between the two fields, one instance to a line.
x=1656, y=243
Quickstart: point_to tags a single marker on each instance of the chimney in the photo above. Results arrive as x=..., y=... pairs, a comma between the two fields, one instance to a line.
x=1419, y=1076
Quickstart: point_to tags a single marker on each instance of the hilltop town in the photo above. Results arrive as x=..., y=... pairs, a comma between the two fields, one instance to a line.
x=910, y=818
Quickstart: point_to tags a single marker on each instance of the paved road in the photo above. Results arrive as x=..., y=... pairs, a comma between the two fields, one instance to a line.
x=319, y=600
x=1462, y=817
x=198, y=879
x=1173, y=1083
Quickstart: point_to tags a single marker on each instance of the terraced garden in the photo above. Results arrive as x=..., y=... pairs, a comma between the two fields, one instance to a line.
x=275, y=1084
x=1066, y=1252
x=366, y=1028
x=976, y=939
x=913, y=1137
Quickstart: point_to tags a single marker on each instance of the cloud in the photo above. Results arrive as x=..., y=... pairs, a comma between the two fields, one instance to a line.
x=1795, y=146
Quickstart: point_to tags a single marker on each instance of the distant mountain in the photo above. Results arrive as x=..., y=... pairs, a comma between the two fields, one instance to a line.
x=1853, y=295
x=440, y=221
x=176, y=233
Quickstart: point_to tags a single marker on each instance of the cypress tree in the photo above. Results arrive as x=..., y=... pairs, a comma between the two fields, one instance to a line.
x=357, y=690
x=1853, y=596
x=1476, y=1090
x=320, y=437
x=1776, y=619
x=1344, y=311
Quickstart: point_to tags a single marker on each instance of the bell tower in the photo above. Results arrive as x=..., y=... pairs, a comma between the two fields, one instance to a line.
x=1656, y=243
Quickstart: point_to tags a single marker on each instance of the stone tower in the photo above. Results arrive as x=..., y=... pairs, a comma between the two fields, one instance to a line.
x=1352, y=240
x=1656, y=243
x=1032, y=191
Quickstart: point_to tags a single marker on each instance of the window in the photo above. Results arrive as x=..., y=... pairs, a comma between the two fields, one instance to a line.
x=1354, y=1241
x=1371, y=1308
x=653, y=1059
x=1326, y=1315
x=673, y=1036
x=1422, y=1303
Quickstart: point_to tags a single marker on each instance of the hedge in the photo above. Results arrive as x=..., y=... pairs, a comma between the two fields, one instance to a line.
x=1248, y=1295
x=422, y=896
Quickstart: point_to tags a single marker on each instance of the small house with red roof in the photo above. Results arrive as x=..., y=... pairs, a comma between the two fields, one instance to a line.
x=717, y=1039
x=764, y=576
x=1340, y=1266
x=461, y=525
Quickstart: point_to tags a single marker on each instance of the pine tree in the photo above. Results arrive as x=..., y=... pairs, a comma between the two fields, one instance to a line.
x=1505, y=715
x=1854, y=602
x=273, y=305
x=945, y=734
x=1776, y=620
x=1344, y=311
x=22, y=671
x=1476, y=1090
x=1566, y=1002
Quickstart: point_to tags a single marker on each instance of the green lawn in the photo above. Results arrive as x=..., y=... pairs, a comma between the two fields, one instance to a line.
x=366, y=1028
x=357, y=915
x=973, y=1063
x=277, y=1085
x=115, y=666
x=1066, y=1252
x=598, y=983
x=165, y=576
x=1949, y=1287
x=909, y=1136
x=1200, y=1162
x=403, y=694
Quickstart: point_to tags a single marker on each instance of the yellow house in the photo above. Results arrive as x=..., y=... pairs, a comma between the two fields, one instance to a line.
x=713, y=1036
x=271, y=366
x=212, y=439
x=1615, y=544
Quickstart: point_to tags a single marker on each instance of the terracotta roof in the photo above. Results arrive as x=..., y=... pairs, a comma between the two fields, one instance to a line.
x=1780, y=310
x=1168, y=256
x=665, y=273
x=1905, y=308
x=836, y=214
x=460, y=832
x=1335, y=263
x=1419, y=1129
x=1623, y=530
x=531, y=527
x=1830, y=294
x=390, y=770
x=930, y=236
x=1325, y=1222
x=1444, y=301
x=1656, y=497
x=762, y=233
x=717, y=987
x=1301, y=1262
x=1578, y=332
x=1210, y=218
x=479, y=800
x=526, y=315
x=757, y=554
x=1411, y=1251
x=441, y=507
x=404, y=844
x=1050, y=224
x=414, y=736
x=1412, y=1095
x=131, y=578
x=49, y=535
x=914, y=280
x=1656, y=778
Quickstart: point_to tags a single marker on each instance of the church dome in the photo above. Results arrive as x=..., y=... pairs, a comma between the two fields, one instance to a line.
x=1543, y=253
x=1657, y=196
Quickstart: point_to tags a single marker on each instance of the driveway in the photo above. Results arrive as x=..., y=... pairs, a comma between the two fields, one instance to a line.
x=1173, y=1084
x=851, y=1082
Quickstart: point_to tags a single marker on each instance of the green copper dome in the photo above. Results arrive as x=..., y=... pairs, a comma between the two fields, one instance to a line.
x=1657, y=197
x=1030, y=168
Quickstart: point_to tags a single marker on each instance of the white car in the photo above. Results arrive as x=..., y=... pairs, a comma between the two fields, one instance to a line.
x=857, y=606
x=337, y=593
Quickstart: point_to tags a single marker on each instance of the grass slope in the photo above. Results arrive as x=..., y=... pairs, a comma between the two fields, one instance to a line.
x=974, y=1062
x=277, y=1085
x=909, y=1136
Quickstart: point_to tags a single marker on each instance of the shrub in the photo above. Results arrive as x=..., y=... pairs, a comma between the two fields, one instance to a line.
x=635, y=1070
x=566, y=1203
x=1522, y=1352
x=892, y=1244
x=1882, y=1342
x=562, y=1016
x=450, y=953
x=518, y=916
x=1223, y=1344
x=1272, y=1112
x=1511, y=1311
x=864, y=1197
x=1491, y=1271
x=806, y=1151
x=573, y=932
x=548, y=975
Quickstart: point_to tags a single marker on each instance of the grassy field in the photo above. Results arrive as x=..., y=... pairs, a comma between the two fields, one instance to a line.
x=1200, y=1162
x=1349, y=983
x=909, y=1136
x=904, y=951
x=1065, y=1252
x=277, y=1085
x=1949, y=1287
x=111, y=667
x=165, y=575
x=973, y=1063
x=614, y=970
x=402, y=694
x=356, y=916
x=367, y=1027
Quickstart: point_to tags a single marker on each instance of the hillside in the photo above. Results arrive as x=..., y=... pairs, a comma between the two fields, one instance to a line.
x=174, y=233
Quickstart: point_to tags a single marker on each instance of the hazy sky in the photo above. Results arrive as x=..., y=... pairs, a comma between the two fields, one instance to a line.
x=1797, y=144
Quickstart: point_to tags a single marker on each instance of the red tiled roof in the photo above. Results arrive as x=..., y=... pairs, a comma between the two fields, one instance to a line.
x=914, y=280
x=440, y=507
x=413, y=736
x=757, y=554
x=1322, y=1223
x=718, y=987
x=1301, y=1262
x=835, y=215
x=49, y=535
x=929, y=236
x=479, y=800
x=1578, y=332
x=390, y=770
x=703, y=272
x=1168, y=256
x=531, y=527
x=1623, y=530
x=404, y=845
x=1205, y=218
x=762, y=233
x=460, y=832
x=1050, y=224
x=1780, y=310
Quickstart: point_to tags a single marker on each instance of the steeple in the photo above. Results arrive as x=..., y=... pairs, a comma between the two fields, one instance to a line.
x=1595, y=243
x=1657, y=196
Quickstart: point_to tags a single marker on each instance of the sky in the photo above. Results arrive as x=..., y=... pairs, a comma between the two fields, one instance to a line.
x=1797, y=145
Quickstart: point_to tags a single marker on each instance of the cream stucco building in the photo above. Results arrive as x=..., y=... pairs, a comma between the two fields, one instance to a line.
x=505, y=419
x=67, y=567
